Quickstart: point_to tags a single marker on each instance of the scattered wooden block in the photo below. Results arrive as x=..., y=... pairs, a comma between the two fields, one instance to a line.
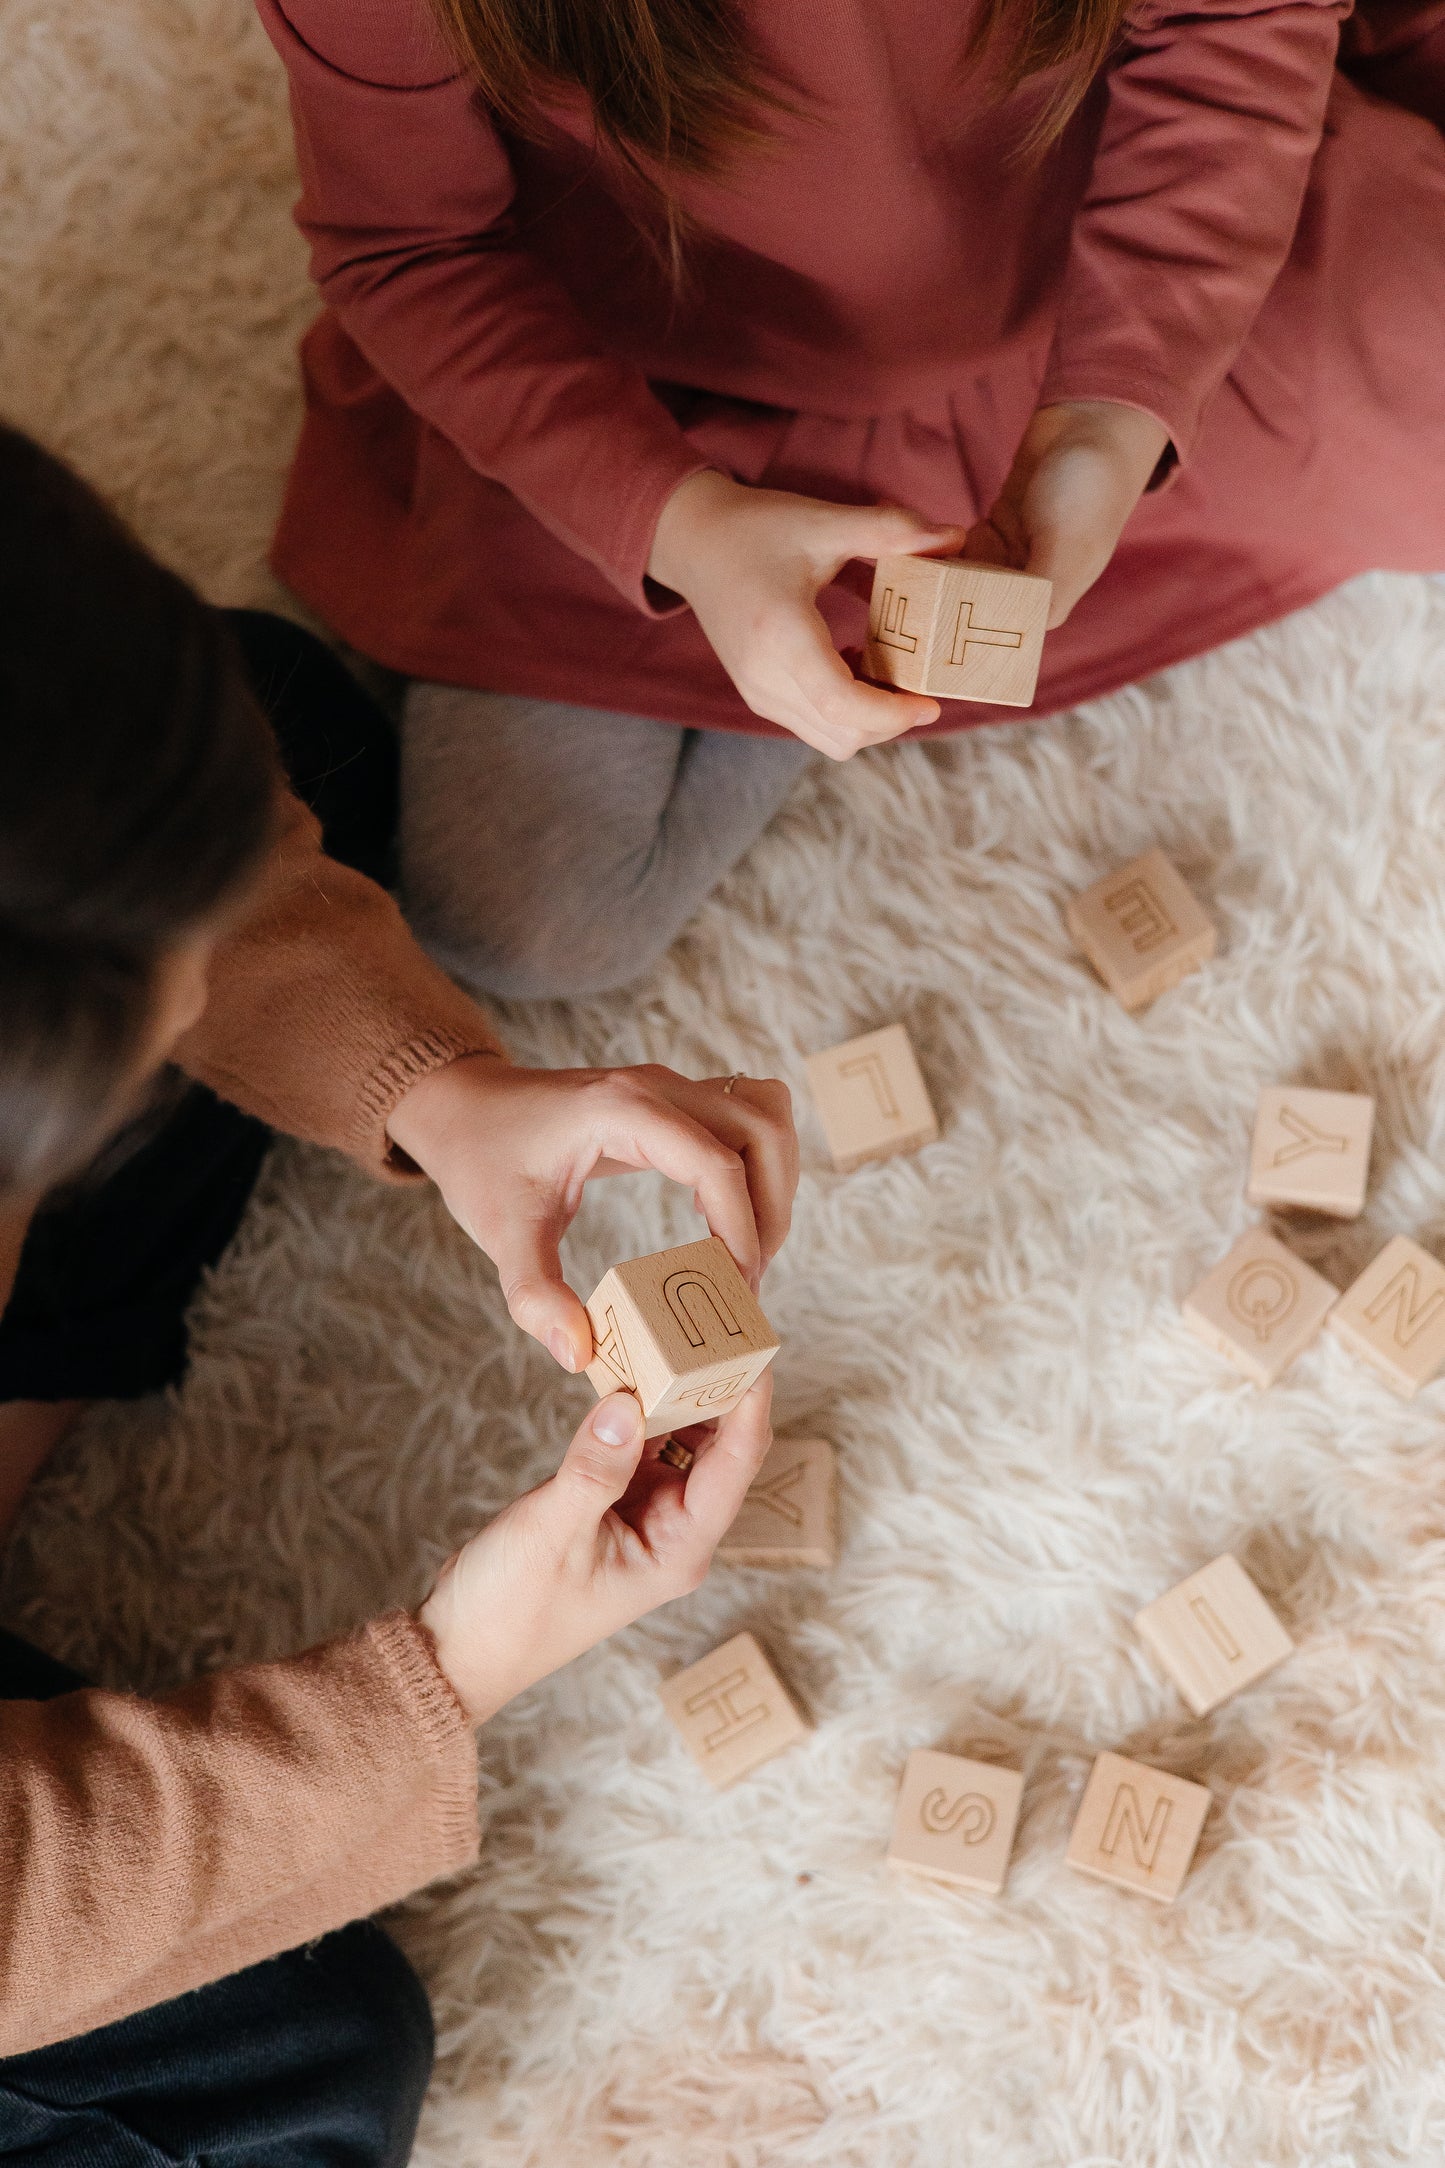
x=1137, y=1826
x=955, y=1819
x=733, y=1711
x=1142, y=929
x=1261, y=1306
x=1312, y=1149
x=1214, y=1633
x=961, y=631
x=789, y=1516
x=1393, y=1316
x=871, y=1098
x=681, y=1330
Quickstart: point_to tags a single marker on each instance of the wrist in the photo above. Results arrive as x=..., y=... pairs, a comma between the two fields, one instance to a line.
x=427, y=1115
x=692, y=505
x=461, y=1662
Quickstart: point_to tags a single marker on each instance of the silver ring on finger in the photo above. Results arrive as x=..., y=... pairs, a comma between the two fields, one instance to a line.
x=735, y=1078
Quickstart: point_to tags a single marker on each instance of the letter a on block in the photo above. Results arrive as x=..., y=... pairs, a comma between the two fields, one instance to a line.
x=680, y=1329
x=1137, y=1826
x=1393, y=1317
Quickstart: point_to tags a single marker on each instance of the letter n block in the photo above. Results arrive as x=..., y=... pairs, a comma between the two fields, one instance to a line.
x=871, y=1098
x=1214, y=1634
x=1393, y=1316
x=1312, y=1150
x=1141, y=929
x=732, y=1711
x=959, y=631
x=955, y=1820
x=1261, y=1306
x=681, y=1330
x=1137, y=1826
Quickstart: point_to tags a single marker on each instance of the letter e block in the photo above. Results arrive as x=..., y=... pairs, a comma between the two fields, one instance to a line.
x=955, y=1820
x=1261, y=1306
x=1312, y=1149
x=1137, y=1826
x=681, y=1330
x=959, y=631
x=1393, y=1316
x=1141, y=929
x=1214, y=1633
x=733, y=1711
x=871, y=1098
x=789, y=1515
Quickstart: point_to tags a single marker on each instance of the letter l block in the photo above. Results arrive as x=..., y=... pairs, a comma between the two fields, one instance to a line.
x=682, y=1331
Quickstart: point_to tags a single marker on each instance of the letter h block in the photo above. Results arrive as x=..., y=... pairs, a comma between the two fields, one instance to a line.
x=681, y=1330
x=959, y=631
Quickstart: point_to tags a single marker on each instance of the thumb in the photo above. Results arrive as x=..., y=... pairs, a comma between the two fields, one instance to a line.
x=539, y=1299
x=602, y=1459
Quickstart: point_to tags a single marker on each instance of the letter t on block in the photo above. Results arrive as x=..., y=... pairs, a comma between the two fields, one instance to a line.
x=1138, y=1826
x=681, y=1330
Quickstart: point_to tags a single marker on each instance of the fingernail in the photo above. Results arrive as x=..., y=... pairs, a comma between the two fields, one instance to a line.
x=560, y=1345
x=615, y=1421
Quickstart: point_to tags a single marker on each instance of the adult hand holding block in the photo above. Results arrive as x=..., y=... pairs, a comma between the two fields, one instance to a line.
x=682, y=1331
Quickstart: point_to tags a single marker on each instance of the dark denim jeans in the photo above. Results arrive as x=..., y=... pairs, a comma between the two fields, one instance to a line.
x=318, y=2059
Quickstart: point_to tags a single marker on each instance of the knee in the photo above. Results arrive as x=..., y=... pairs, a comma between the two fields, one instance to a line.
x=380, y=2042
x=547, y=957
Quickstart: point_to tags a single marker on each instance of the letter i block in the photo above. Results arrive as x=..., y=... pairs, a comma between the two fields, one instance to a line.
x=1393, y=1316
x=1214, y=1633
x=1312, y=1149
x=1141, y=929
x=1137, y=1826
x=682, y=1331
x=1261, y=1306
x=789, y=1515
x=871, y=1098
x=955, y=1820
x=960, y=631
x=732, y=1711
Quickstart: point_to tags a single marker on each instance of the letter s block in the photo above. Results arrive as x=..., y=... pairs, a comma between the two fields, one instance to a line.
x=681, y=1330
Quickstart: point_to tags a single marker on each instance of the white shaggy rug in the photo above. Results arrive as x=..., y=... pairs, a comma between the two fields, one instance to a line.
x=641, y=1973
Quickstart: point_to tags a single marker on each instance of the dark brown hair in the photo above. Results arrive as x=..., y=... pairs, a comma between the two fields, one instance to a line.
x=137, y=797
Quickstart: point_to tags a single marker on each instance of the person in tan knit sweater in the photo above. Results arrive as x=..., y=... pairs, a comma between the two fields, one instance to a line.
x=182, y=969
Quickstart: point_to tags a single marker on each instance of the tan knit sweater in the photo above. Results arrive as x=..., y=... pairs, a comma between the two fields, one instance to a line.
x=147, y=1847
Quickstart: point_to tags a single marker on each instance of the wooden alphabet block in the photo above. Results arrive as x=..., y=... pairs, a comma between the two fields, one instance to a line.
x=1137, y=1826
x=733, y=1711
x=1261, y=1306
x=1312, y=1149
x=1141, y=929
x=1393, y=1316
x=955, y=1819
x=681, y=1330
x=960, y=631
x=789, y=1515
x=871, y=1098
x=1214, y=1633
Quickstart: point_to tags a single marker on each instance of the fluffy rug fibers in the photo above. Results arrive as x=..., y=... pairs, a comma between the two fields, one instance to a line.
x=1031, y=1445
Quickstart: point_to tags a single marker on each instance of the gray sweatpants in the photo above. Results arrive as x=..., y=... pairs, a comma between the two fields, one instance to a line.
x=549, y=850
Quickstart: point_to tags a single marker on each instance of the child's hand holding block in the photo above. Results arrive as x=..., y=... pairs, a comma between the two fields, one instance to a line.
x=1214, y=1633
x=681, y=1330
x=1393, y=1316
x=789, y=1515
x=733, y=1712
x=955, y=1820
x=1138, y=1826
x=1261, y=1306
x=960, y=631
x=871, y=1098
x=1141, y=929
x=1312, y=1149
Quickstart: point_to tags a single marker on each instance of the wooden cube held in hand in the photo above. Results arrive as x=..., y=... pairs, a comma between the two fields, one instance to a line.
x=789, y=1515
x=682, y=1330
x=955, y=1819
x=1214, y=1634
x=1393, y=1316
x=871, y=1098
x=1261, y=1306
x=1137, y=1826
x=1312, y=1149
x=733, y=1711
x=959, y=631
x=1141, y=929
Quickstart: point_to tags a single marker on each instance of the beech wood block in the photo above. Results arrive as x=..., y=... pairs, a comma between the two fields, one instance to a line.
x=1261, y=1306
x=1142, y=929
x=1137, y=1826
x=960, y=631
x=682, y=1330
x=1312, y=1149
x=871, y=1098
x=733, y=1711
x=789, y=1517
x=1214, y=1633
x=1393, y=1316
x=955, y=1819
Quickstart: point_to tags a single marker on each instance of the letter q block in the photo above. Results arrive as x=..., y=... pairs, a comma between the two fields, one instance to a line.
x=871, y=1098
x=1214, y=1634
x=1261, y=1306
x=1141, y=929
x=1137, y=1826
x=681, y=1330
x=1393, y=1316
x=960, y=631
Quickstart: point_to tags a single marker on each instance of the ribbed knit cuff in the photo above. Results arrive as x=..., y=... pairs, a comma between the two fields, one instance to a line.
x=390, y=1082
x=426, y=1690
